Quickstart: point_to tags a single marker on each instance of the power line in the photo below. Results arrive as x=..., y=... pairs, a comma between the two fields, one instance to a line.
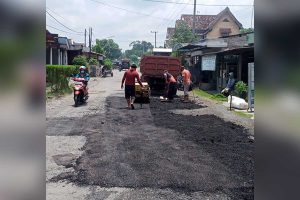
x=61, y=23
x=130, y=11
x=56, y=13
x=172, y=15
x=176, y=13
x=170, y=2
x=63, y=31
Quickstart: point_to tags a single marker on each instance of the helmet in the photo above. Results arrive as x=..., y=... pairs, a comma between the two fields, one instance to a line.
x=82, y=68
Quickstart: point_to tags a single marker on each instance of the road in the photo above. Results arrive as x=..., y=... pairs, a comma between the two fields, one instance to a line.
x=102, y=150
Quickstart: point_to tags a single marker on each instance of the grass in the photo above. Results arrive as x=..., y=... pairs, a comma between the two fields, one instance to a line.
x=215, y=97
x=243, y=114
x=55, y=94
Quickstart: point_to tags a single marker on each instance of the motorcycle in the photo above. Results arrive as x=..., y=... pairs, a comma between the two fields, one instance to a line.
x=80, y=91
x=105, y=71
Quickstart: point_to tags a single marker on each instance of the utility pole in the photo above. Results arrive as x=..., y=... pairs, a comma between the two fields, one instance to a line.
x=194, y=17
x=155, y=37
x=90, y=41
x=85, y=37
x=143, y=48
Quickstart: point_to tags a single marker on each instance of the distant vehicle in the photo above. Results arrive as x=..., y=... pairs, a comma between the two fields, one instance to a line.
x=106, y=71
x=125, y=64
x=116, y=64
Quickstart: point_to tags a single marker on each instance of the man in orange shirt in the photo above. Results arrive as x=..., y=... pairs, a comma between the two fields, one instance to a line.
x=186, y=82
x=129, y=78
x=171, y=84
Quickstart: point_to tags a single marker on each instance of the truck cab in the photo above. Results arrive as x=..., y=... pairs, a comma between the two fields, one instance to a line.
x=125, y=64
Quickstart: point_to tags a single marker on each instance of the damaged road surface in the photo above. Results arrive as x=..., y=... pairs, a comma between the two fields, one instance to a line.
x=104, y=151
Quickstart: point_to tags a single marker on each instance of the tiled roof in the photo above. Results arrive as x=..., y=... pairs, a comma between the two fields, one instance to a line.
x=202, y=21
x=205, y=22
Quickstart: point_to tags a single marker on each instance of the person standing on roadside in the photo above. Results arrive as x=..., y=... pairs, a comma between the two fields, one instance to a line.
x=186, y=75
x=171, y=84
x=129, y=78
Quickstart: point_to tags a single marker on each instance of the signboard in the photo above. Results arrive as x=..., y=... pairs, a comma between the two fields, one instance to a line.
x=209, y=63
x=250, y=86
x=250, y=38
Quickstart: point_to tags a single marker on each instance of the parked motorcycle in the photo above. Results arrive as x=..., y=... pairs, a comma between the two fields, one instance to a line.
x=105, y=71
x=80, y=91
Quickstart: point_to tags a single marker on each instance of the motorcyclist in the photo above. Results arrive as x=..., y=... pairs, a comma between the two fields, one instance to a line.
x=83, y=74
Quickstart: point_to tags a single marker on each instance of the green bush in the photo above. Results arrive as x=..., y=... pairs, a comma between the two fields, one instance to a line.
x=241, y=88
x=107, y=62
x=93, y=61
x=80, y=60
x=58, y=76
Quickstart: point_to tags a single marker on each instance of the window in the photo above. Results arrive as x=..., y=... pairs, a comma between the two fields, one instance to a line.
x=225, y=31
x=225, y=20
x=224, y=34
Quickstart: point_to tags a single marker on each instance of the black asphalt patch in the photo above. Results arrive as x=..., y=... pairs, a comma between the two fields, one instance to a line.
x=155, y=148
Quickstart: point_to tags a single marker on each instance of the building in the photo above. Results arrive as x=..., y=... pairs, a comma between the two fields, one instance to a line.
x=61, y=50
x=208, y=26
x=210, y=60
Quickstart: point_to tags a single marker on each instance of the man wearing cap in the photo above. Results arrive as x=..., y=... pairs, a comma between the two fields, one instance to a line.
x=129, y=78
x=186, y=82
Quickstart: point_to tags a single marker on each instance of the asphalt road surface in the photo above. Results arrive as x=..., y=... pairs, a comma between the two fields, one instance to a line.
x=101, y=150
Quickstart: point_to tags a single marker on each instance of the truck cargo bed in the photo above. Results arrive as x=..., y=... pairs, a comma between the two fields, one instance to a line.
x=152, y=69
x=154, y=66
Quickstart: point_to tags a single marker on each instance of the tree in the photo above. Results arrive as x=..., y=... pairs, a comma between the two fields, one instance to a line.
x=108, y=63
x=246, y=30
x=80, y=60
x=183, y=34
x=93, y=61
x=134, y=58
x=108, y=47
x=140, y=47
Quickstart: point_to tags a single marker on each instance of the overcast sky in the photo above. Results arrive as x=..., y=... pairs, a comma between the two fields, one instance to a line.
x=130, y=20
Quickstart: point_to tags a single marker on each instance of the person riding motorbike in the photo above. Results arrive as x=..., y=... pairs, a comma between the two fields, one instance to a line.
x=83, y=74
x=81, y=89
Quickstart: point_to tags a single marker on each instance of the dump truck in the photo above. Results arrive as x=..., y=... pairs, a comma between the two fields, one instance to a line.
x=152, y=69
x=125, y=64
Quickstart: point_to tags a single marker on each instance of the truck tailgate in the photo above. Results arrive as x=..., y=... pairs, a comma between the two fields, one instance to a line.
x=155, y=65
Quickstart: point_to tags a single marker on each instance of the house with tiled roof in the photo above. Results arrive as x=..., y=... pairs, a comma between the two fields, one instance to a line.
x=209, y=26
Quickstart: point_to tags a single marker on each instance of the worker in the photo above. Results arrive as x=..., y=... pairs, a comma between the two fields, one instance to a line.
x=186, y=75
x=230, y=85
x=171, y=85
x=129, y=78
